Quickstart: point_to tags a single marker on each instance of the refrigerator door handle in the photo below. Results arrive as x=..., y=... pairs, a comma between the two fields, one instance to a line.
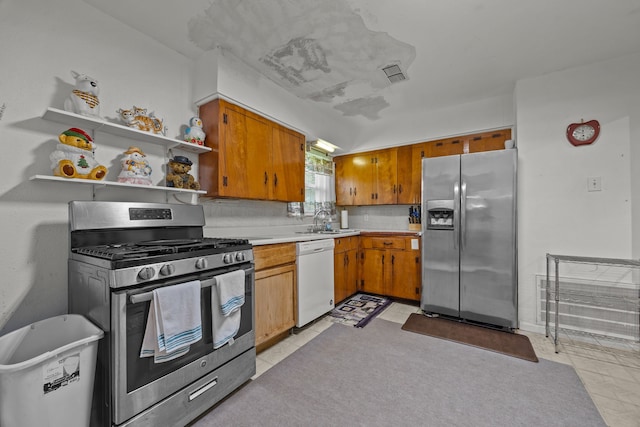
x=463, y=215
x=456, y=212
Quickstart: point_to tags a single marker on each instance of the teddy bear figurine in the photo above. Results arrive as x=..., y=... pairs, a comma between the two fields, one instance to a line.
x=178, y=175
x=73, y=157
x=194, y=133
x=135, y=167
x=84, y=97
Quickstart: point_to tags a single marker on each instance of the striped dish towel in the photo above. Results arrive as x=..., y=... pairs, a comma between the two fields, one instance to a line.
x=173, y=323
x=226, y=300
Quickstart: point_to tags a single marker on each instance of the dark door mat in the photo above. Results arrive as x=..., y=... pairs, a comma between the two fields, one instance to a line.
x=490, y=339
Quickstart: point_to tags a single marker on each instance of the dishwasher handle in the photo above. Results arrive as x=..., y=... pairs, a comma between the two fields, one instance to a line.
x=314, y=246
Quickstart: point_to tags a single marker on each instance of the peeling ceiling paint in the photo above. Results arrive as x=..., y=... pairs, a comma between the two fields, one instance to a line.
x=368, y=107
x=321, y=51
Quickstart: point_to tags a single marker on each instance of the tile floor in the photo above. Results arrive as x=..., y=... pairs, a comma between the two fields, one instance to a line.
x=612, y=377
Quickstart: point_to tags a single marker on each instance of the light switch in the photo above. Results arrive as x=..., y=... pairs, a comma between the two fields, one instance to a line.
x=594, y=183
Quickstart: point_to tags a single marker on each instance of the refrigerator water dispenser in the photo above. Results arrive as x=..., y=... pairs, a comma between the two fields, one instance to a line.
x=440, y=214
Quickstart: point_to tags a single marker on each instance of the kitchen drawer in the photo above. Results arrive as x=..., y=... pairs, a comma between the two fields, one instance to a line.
x=383, y=242
x=266, y=256
x=343, y=244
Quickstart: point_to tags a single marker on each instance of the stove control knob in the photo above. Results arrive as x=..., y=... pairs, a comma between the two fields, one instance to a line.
x=167, y=270
x=227, y=258
x=239, y=256
x=201, y=263
x=146, y=273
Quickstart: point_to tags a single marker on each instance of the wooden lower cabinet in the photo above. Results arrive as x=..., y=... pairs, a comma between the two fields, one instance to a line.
x=390, y=265
x=275, y=290
x=345, y=264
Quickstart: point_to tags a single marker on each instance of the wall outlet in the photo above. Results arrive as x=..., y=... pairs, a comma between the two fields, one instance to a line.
x=366, y=217
x=594, y=183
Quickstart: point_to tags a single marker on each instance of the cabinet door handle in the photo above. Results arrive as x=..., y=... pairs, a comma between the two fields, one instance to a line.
x=275, y=179
x=355, y=191
x=387, y=243
x=400, y=189
x=266, y=178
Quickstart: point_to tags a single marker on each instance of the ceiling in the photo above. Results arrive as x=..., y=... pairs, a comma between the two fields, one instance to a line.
x=332, y=52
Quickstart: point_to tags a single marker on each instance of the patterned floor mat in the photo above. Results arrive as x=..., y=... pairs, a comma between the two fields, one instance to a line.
x=358, y=310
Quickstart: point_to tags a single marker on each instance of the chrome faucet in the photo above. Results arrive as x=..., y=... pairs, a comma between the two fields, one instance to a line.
x=324, y=222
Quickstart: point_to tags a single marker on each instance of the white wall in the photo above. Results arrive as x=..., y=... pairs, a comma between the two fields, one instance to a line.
x=41, y=42
x=556, y=212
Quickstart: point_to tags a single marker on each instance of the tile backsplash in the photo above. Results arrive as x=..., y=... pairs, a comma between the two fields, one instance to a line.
x=223, y=213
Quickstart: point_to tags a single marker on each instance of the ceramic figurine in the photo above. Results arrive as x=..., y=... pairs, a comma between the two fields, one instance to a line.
x=194, y=132
x=84, y=98
x=73, y=157
x=137, y=118
x=178, y=175
x=135, y=168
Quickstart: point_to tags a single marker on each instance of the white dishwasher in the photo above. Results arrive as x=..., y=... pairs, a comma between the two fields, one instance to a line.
x=315, y=280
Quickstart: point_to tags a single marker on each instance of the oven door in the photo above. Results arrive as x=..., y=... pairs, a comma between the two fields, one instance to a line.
x=139, y=383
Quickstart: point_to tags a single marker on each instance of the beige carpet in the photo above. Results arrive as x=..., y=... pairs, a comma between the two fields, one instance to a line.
x=381, y=375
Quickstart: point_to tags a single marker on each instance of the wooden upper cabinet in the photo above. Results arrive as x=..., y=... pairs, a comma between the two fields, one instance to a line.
x=445, y=147
x=245, y=165
x=367, y=178
x=410, y=173
x=354, y=179
x=287, y=155
x=489, y=141
x=394, y=175
x=385, y=184
x=251, y=157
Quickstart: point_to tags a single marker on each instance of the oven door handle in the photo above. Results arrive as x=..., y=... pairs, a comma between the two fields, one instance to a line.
x=148, y=296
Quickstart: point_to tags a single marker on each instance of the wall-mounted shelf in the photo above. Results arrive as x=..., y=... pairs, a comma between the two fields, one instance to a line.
x=101, y=184
x=85, y=122
x=95, y=124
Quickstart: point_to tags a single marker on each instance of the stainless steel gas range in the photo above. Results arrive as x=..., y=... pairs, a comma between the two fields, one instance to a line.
x=119, y=254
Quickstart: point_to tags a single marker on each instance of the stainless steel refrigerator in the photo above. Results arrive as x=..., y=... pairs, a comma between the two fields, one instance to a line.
x=469, y=252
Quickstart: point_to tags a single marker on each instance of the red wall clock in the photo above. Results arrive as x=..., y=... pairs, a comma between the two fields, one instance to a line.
x=583, y=133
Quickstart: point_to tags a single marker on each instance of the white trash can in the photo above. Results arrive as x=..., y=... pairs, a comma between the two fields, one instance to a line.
x=46, y=373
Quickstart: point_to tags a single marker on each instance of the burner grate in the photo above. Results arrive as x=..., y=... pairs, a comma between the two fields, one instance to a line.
x=151, y=248
x=118, y=252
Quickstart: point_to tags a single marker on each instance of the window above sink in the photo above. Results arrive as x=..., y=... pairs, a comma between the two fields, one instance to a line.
x=319, y=180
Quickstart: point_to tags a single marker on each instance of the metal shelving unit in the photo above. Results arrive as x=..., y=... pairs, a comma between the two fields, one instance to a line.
x=625, y=300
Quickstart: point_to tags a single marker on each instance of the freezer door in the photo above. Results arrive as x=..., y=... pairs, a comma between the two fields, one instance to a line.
x=440, y=249
x=488, y=284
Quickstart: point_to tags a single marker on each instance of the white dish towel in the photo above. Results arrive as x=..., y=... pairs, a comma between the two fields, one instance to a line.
x=226, y=300
x=174, y=322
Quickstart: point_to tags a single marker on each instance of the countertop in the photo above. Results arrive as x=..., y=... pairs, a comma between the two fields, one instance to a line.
x=258, y=237
x=298, y=237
